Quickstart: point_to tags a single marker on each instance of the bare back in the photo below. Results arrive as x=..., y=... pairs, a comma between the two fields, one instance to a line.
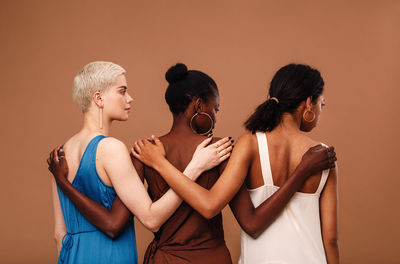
x=74, y=149
x=285, y=153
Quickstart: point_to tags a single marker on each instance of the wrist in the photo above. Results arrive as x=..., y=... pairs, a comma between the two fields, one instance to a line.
x=61, y=179
x=303, y=171
x=159, y=163
x=192, y=171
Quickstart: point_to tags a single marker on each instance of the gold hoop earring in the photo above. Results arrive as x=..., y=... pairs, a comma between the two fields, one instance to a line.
x=304, y=116
x=201, y=113
x=101, y=118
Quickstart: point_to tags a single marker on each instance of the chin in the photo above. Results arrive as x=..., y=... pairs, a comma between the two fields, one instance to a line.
x=122, y=118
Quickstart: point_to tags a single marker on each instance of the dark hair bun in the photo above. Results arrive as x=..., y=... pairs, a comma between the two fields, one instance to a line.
x=176, y=73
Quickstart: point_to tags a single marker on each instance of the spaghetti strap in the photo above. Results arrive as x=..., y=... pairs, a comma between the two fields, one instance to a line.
x=324, y=178
x=264, y=158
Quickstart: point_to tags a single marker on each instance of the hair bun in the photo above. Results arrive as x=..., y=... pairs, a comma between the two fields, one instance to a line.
x=176, y=73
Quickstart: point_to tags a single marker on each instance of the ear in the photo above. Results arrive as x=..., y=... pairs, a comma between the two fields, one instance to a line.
x=197, y=105
x=98, y=99
x=309, y=103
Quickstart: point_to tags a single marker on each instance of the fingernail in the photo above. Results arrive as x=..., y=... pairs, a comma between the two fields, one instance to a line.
x=232, y=140
x=233, y=146
x=230, y=137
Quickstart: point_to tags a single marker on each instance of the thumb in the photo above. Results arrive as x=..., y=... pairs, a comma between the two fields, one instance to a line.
x=204, y=143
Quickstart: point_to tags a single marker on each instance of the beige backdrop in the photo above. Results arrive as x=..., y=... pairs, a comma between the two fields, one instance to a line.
x=355, y=44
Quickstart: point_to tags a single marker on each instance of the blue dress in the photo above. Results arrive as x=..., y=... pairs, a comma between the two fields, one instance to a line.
x=84, y=242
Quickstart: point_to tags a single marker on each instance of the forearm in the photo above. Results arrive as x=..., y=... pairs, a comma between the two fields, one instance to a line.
x=97, y=214
x=255, y=220
x=195, y=195
x=164, y=207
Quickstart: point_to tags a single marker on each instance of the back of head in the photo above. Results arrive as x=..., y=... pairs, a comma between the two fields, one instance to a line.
x=94, y=76
x=291, y=85
x=184, y=85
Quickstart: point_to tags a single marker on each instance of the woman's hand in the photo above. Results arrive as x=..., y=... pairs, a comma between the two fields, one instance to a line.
x=204, y=158
x=57, y=164
x=318, y=158
x=148, y=152
x=207, y=157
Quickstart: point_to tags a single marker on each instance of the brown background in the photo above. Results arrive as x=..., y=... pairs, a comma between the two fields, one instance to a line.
x=355, y=44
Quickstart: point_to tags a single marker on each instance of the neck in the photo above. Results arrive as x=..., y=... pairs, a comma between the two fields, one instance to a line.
x=91, y=124
x=180, y=125
x=290, y=123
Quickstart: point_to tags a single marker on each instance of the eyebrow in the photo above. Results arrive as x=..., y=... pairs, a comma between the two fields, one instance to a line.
x=123, y=87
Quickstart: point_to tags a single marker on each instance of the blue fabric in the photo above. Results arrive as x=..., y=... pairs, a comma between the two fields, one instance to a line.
x=85, y=243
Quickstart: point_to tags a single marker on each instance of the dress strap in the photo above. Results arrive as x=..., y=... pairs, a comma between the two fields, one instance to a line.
x=264, y=158
x=89, y=156
x=324, y=177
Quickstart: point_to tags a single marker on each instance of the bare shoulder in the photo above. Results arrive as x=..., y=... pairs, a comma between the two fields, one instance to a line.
x=247, y=138
x=309, y=142
x=111, y=146
x=247, y=143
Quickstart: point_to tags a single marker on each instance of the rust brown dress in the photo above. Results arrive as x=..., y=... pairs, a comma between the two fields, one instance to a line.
x=186, y=237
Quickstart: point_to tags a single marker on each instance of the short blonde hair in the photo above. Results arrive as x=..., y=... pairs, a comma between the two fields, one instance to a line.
x=94, y=76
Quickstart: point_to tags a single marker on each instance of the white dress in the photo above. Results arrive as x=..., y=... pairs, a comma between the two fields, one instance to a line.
x=295, y=235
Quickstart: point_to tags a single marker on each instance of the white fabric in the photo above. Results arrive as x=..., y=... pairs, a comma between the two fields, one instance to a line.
x=295, y=235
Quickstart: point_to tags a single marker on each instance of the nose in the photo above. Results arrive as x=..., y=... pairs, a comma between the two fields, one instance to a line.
x=129, y=98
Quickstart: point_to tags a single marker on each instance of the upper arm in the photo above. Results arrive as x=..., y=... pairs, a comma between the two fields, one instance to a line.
x=126, y=181
x=242, y=208
x=235, y=172
x=139, y=167
x=329, y=207
x=59, y=225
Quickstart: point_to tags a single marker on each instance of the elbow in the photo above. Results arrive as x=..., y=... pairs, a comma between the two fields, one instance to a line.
x=152, y=225
x=114, y=230
x=331, y=242
x=210, y=210
x=58, y=236
x=251, y=230
x=113, y=233
x=154, y=228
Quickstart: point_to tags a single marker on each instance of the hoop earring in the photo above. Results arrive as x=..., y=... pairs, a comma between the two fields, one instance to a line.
x=304, y=116
x=101, y=118
x=201, y=113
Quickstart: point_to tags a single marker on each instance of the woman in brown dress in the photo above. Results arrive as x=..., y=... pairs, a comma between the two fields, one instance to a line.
x=187, y=236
